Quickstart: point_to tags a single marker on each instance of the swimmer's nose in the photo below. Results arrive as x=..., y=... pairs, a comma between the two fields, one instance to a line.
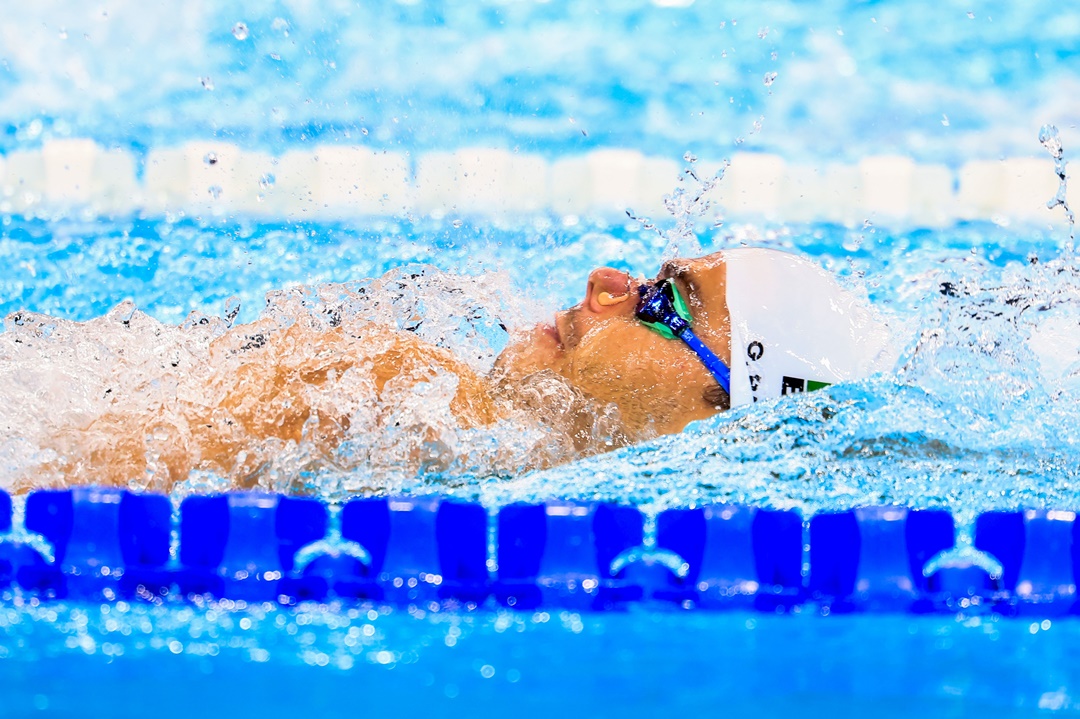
x=610, y=292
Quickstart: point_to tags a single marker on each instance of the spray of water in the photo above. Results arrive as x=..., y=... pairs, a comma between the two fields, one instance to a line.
x=690, y=201
x=366, y=386
x=1051, y=140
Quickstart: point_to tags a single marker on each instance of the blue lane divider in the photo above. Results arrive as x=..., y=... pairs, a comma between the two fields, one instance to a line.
x=106, y=543
x=421, y=550
x=873, y=557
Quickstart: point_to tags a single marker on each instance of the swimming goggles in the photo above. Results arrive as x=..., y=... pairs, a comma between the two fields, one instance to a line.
x=662, y=308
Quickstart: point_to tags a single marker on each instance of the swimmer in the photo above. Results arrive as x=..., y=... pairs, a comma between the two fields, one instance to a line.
x=635, y=359
x=761, y=324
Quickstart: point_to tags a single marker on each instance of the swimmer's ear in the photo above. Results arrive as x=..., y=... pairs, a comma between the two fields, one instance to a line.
x=610, y=291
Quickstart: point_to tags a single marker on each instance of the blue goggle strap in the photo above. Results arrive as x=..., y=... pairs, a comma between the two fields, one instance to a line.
x=714, y=364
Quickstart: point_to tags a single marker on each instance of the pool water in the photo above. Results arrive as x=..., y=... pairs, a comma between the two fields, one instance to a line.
x=981, y=411
x=82, y=660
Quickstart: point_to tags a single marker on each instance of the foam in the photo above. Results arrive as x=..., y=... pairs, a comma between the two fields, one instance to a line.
x=887, y=184
x=70, y=167
x=1026, y=186
x=115, y=187
x=352, y=180
x=342, y=182
x=756, y=183
x=24, y=181
x=615, y=179
x=982, y=189
x=571, y=186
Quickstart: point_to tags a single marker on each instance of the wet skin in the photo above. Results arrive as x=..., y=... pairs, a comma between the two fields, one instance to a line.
x=659, y=385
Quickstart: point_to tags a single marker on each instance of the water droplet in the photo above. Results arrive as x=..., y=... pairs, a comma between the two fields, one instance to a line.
x=1051, y=140
x=763, y=32
x=770, y=78
x=63, y=34
x=457, y=223
x=852, y=243
x=281, y=25
x=363, y=131
x=207, y=83
x=211, y=158
x=267, y=180
x=689, y=156
x=240, y=31
x=232, y=309
x=215, y=191
x=944, y=119
x=971, y=16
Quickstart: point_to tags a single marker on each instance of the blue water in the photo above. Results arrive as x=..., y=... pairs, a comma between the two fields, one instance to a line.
x=980, y=412
x=852, y=78
x=76, y=662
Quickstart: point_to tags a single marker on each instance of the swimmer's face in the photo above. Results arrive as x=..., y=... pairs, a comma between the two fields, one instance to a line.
x=658, y=384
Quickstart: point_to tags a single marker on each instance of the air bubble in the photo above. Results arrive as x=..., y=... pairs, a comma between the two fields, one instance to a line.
x=211, y=158
x=240, y=31
x=770, y=78
x=944, y=119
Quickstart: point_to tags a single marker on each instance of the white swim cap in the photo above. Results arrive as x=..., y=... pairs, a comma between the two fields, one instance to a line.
x=794, y=329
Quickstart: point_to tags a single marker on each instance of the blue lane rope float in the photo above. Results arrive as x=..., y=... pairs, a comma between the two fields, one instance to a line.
x=109, y=544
